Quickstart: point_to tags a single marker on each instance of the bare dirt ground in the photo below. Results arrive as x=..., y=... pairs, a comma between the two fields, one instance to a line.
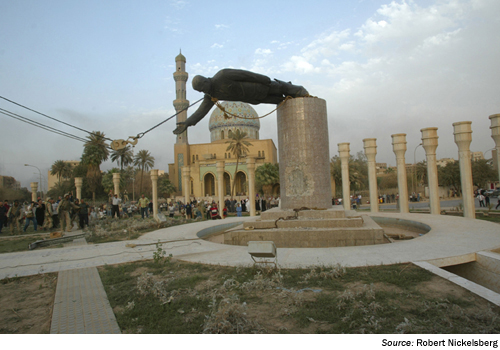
x=26, y=304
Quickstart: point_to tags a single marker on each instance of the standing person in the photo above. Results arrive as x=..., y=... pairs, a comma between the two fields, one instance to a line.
x=214, y=212
x=238, y=210
x=189, y=211
x=115, y=209
x=202, y=209
x=75, y=213
x=40, y=213
x=7, y=207
x=14, y=216
x=48, y=223
x=487, y=200
x=498, y=202
x=55, y=214
x=481, y=200
x=3, y=214
x=143, y=204
x=63, y=209
x=84, y=214
x=125, y=196
x=171, y=210
x=30, y=216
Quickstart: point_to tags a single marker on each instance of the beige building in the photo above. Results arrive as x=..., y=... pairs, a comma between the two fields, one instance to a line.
x=9, y=182
x=52, y=179
x=476, y=156
x=201, y=158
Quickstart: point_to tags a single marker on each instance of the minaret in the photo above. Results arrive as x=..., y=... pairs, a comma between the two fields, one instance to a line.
x=181, y=147
x=180, y=102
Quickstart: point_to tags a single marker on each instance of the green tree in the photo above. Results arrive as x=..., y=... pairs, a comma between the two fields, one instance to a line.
x=95, y=151
x=123, y=157
x=165, y=187
x=483, y=172
x=238, y=147
x=144, y=161
x=61, y=169
x=358, y=172
x=267, y=175
x=449, y=175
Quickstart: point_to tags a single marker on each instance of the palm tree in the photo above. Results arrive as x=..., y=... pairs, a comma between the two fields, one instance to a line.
x=61, y=169
x=122, y=157
x=165, y=187
x=144, y=161
x=238, y=147
x=94, y=153
x=267, y=175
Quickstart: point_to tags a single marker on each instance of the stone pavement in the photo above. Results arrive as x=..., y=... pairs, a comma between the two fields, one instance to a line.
x=81, y=305
x=451, y=238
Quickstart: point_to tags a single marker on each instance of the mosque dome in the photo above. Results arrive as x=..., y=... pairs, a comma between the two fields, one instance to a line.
x=222, y=128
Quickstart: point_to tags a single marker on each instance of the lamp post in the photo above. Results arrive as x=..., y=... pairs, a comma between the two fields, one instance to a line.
x=40, y=174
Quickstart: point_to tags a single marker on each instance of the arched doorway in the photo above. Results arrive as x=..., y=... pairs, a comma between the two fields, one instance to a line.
x=209, y=182
x=227, y=184
x=241, y=184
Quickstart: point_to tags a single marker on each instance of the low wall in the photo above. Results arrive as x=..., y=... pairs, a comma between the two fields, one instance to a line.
x=409, y=225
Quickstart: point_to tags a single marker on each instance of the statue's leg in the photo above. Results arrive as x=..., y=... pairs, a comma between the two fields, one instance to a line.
x=288, y=89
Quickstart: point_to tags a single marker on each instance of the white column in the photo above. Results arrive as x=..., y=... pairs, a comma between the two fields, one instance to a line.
x=116, y=183
x=34, y=189
x=78, y=185
x=220, y=187
x=430, y=143
x=154, y=186
x=186, y=188
x=370, y=146
x=399, y=148
x=251, y=185
x=495, y=135
x=344, y=163
x=463, y=138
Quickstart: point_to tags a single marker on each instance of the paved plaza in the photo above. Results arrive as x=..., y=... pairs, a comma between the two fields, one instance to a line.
x=81, y=305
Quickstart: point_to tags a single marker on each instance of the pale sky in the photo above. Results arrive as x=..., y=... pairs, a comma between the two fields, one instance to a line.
x=383, y=67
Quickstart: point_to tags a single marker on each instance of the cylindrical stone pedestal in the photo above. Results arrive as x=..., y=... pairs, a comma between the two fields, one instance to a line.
x=495, y=135
x=399, y=148
x=78, y=185
x=344, y=165
x=370, y=146
x=251, y=185
x=430, y=143
x=34, y=189
x=220, y=187
x=185, y=184
x=154, y=187
x=116, y=183
x=463, y=139
x=304, y=154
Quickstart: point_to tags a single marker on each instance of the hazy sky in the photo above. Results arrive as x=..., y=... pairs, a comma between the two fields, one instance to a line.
x=383, y=68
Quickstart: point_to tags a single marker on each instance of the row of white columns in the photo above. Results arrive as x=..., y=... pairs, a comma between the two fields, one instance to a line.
x=463, y=137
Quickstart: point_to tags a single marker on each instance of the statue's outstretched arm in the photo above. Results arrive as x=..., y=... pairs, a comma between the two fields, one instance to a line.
x=245, y=76
x=198, y=115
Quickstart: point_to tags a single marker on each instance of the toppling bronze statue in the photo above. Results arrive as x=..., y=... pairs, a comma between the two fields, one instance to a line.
x=239, y=85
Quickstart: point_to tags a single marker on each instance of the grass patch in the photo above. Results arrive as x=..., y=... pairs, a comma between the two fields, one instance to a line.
x=17, y=244
x=179, y=297
x=489, y=218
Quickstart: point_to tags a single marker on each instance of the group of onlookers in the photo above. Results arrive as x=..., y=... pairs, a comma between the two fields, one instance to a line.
x=47, y=215
x=484, y=196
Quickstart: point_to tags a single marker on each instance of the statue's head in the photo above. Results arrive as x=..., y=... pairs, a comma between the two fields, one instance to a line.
x=202, y=84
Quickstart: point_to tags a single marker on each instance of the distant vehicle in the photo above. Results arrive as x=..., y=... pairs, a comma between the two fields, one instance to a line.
x=492, y=193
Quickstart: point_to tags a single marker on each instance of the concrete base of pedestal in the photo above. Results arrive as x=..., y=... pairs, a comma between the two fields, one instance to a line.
x=309, y=229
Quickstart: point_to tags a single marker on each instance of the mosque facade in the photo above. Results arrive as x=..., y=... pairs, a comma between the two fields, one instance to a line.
x=199, y=161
